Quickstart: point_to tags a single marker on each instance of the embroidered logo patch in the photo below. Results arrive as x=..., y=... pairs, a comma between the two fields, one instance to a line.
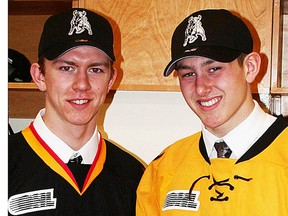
x=193, y=30
x=33, y=201
x=179, y=199
x=79, y=23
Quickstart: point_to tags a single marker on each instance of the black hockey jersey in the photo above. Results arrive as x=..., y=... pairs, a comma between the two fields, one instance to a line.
x=41, y=184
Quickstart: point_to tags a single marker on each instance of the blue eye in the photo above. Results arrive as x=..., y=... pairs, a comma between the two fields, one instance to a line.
x=66, y=68
x=190, y=74
x=214, y=69
x=96, y=70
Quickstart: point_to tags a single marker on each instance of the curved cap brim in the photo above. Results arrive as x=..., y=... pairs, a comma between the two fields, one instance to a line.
x=221, y=54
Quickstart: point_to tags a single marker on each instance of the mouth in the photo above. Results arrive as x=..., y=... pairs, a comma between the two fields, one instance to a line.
x=79, y=102
x=209, y=102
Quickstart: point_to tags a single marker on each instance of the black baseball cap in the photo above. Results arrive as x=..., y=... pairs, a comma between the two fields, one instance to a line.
x=72, y=28
x=211, y=33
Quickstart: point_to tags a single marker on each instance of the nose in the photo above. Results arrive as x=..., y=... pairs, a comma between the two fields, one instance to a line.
x=81, y=81
x=203, y=86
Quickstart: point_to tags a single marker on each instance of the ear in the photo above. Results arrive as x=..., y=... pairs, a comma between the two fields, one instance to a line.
x=38, y=76
x=112, y=80
x=252, y=63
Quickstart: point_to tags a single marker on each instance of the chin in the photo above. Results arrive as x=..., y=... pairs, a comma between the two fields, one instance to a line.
x=211, y=122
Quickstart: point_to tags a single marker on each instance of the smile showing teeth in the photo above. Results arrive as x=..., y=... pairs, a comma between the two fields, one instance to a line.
x=209, y=103
x=79, y=102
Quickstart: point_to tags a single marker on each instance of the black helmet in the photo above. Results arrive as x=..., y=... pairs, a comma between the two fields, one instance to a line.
x=18, y=67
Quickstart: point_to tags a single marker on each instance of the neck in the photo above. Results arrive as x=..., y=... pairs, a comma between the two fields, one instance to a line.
x=75, y=136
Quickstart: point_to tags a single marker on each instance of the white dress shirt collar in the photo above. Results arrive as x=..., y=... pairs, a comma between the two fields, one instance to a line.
x=60, y=148
x=241, y=138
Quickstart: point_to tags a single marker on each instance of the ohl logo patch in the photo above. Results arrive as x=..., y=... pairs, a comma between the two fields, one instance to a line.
x=33, y=201
x=180, y=199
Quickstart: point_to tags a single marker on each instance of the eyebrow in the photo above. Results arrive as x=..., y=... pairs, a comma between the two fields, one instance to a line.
x=208, y=62
x=100, y=63
x=186, y=66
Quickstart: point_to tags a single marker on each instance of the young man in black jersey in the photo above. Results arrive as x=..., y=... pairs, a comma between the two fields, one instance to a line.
x=60, y=164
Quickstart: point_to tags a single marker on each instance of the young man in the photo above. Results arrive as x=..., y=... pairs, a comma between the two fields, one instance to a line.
x=213, y=57
x=60, y=164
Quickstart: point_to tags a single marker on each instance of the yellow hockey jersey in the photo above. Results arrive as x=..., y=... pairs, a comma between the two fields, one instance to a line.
x=182, y=180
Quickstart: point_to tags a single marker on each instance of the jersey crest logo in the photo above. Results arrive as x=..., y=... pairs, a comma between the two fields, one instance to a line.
x=193, y=30
x=33, y=201
x=79, y=23
x=181, y=200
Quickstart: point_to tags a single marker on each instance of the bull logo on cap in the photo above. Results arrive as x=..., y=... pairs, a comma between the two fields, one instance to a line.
x=79, y=23
x=193, y=30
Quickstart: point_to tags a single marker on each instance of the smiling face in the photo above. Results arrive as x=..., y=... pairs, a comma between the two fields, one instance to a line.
x=218, y=93
x=75, y=85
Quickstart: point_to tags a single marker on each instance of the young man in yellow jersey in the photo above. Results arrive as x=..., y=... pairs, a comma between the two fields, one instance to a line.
x=212, y=53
